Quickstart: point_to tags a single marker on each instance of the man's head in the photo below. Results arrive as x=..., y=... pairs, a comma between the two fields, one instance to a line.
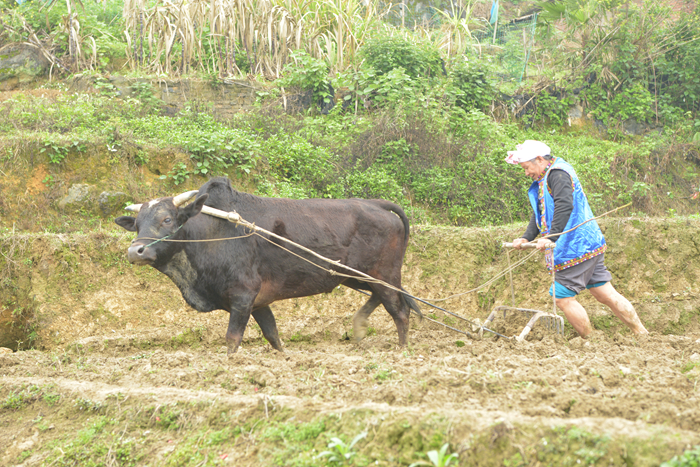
x=533, y=156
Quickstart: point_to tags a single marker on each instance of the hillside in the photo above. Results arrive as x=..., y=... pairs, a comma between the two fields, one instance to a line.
x=106, y=104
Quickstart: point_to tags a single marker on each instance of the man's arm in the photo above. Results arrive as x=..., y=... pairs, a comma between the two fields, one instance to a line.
x=532, y=230
x=559, y=183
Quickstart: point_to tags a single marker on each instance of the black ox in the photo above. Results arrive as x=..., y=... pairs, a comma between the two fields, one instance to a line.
x=245, y=275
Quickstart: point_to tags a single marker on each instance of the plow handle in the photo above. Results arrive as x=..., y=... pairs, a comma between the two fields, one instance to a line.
x=524, y=245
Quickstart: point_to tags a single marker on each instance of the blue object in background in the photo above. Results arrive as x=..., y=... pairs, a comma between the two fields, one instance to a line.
x=494, y=12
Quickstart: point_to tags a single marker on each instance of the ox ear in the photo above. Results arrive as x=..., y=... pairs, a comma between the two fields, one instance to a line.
x=191, y=210
x=127, y=222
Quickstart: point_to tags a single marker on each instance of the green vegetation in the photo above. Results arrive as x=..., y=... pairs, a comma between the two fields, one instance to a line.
x=28, y=394
x=690, y=458
x=457, y=178
x=122, y=431
x=420, y=119
x=339, y=452
x=438, y=458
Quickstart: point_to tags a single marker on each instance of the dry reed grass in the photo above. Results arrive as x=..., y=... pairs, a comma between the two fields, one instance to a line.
x=175, y=37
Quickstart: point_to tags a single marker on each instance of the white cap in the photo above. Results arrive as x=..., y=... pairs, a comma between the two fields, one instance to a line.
x=527, y=151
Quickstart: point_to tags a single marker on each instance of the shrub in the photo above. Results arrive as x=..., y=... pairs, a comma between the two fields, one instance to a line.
x=294, y=159
x=308, y=74
x=375, y=182
x=678, y=70
x=384, y=53
x=551, y=108
x=610, y=106
x=472, y=83
x=393, y=89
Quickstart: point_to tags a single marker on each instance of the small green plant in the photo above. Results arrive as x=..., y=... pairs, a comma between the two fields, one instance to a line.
x=299, y=337
x=552, y=108
x=143, y=91
x=439, y=458
x=141, y=158
x=449, y=321
x=105, y=88
x=179, y=174
x=57, y=151
x=340, y=453
x=383, y=375
x=88, y=405
x=690, y=458
x=18, y=399
x=14, y=400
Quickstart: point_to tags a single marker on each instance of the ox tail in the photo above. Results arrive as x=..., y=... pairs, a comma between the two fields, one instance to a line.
x=412, y=304
x=396, y=209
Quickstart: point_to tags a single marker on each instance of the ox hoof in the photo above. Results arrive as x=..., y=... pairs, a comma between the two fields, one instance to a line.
x=358, y=334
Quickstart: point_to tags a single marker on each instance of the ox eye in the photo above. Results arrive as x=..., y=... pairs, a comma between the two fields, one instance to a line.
x=167, y=220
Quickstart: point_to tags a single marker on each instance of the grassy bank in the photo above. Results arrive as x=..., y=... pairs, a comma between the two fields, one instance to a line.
x=441, y=163
x=249, y=432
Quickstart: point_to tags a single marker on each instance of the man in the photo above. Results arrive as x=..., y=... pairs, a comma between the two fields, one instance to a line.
x=559, y=204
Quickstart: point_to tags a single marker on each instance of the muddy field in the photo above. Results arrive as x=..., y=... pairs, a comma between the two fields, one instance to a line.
x=123, y=373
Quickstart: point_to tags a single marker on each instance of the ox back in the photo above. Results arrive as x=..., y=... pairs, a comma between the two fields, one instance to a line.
x=245, y=274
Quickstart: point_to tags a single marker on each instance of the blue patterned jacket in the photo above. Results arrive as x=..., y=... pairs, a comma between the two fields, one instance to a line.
x=579, y=245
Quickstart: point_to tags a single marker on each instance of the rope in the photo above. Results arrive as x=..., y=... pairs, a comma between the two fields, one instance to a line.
x=591, y=219
x=453, y=314
x=236, y=219
x=162, y=239
x=490, y=281
x=194, y=241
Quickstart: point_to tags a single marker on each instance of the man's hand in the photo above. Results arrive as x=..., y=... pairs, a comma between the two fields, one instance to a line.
x=544, y=243
x=519, y=241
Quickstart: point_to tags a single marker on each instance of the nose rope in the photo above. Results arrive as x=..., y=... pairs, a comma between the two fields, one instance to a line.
x=161, y=239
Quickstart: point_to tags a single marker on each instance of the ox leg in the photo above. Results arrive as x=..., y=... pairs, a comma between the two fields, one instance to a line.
x=359, y=320
x=266, y=320
x=399, y=311
x=237, y=321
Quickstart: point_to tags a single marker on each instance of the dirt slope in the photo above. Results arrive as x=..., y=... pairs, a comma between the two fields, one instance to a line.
x=125, y=374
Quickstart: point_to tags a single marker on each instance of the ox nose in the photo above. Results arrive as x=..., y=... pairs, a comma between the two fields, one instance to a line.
x=139, y=254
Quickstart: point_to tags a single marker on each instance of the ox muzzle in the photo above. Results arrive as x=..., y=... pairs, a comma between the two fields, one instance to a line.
x=139, y=253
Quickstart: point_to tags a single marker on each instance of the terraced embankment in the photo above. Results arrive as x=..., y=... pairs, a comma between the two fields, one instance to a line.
x=124, y=373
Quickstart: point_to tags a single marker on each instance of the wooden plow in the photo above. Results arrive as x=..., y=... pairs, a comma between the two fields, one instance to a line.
x=552, y=321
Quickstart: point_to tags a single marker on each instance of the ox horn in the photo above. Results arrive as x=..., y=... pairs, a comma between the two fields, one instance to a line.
x=177, y=201
x=184, y=197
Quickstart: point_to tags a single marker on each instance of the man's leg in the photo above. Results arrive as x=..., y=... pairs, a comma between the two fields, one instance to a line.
x=623, y=309
x=576, y=315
